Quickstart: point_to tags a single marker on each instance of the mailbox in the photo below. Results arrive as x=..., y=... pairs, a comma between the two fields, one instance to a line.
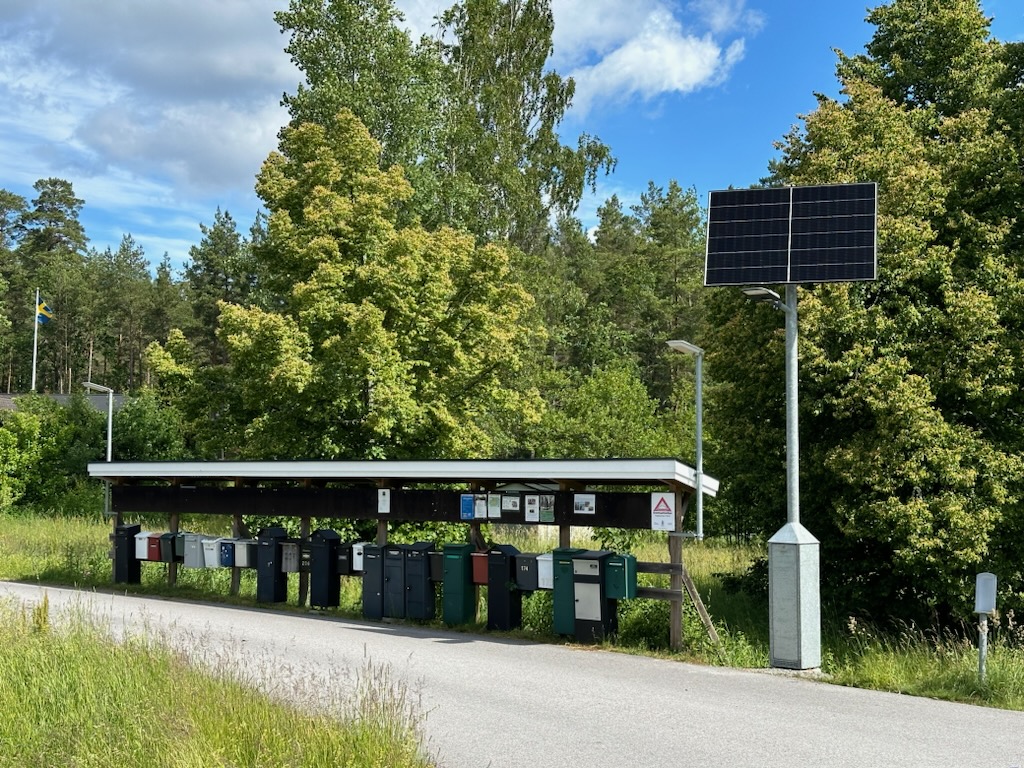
x=291, y=556
x=436, y=565
x=142, y=545
x=620, y=577
x=357, y=556
x=526, y=572
x=344, y=558
x=504, y=600
x=153, y=547
x=324, y=582
x=126, y=566
x=245, y=553
x=211, y=553
x=479, y=561
x=227, y=553
x=168, y=547
x=193, y=556
x=545, y=574
x=563, y=597
x=420, y=595
x=394, y=581
x=596, y=613
x=458, y=599
x=372, y=557
x=271, y=581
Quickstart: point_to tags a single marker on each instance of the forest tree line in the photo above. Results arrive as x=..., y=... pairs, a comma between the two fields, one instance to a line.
x=419, y=286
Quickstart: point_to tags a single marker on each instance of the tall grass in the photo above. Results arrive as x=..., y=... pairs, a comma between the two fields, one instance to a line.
x=71, y=696
x=931, y=663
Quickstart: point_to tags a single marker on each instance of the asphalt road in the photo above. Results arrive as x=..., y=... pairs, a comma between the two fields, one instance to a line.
x=496, y=702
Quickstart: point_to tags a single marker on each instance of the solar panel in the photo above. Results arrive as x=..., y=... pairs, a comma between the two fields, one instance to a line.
x=814, y=234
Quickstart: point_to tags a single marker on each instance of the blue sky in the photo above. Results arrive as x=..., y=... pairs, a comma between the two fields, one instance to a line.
x=159, y=113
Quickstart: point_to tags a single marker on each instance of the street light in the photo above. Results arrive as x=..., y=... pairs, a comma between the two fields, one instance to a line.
x=794, y=600
x=692, y=349
x=110, y=434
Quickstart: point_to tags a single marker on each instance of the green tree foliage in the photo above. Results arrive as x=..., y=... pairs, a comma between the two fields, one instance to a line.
x=220, y=269
x=911, y=433
x=384, y=340
x=472, y=118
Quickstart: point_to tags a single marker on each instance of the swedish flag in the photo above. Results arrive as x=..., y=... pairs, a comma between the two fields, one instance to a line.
x=43, y=313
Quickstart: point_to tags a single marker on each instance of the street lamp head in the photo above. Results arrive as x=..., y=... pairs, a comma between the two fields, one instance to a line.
x=760, y=293
x=684, y=346
x=97, y=387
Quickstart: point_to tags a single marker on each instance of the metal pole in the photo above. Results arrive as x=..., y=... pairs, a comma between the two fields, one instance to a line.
x=110, y=424
x=700, y=446
x=35, y=338
x=792, y=429
x=982, y=644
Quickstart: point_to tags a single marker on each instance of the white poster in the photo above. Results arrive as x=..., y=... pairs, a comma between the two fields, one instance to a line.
x=532, y=508
x=383, y=501
x=663, y=511
x=494, y=505
x=584, y=503
x=480, y=506
x=510, y=502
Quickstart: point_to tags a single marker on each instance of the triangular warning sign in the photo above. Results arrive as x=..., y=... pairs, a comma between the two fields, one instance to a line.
x=662, y=505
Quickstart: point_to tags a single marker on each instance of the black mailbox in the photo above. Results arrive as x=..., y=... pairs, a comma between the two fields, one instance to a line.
x=437, y=565
x=420, y=596
x=324, y=582
x=271, y=581
x=526, y=571
x=504, y=600
x=127, y=570
x=344, y=559
x=167, y=547
x=394, y=581
x=373, y=581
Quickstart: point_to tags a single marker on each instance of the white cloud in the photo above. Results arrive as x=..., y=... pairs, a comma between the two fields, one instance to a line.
x=660, y=59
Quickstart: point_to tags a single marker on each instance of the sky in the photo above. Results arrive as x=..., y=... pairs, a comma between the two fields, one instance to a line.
x=161, y=113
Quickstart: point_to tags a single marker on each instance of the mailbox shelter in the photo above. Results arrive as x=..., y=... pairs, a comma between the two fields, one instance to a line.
x=542, y=492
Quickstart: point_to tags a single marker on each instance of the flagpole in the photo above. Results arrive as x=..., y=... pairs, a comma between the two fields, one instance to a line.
x=35, y=337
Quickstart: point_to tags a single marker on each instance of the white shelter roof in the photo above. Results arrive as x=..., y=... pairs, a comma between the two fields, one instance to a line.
x=577, y=471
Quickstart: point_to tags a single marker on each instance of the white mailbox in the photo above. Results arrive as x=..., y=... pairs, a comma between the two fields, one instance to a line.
x=142, y=545
x=245, y=553
x=357, y=556
x=211, y=553
x=545, y=571
x=985, y=593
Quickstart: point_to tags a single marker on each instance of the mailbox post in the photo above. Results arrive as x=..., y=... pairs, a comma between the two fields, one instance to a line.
x=984, y=605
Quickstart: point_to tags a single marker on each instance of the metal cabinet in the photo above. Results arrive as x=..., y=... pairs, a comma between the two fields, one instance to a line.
x=420, y=594
x=563, y=596
x=126, y=566
x=394, y=581
x=504, y=600
x=458, y=597
x=372, y=566
x=271, y=581
x=595, y=613
x=324, y=581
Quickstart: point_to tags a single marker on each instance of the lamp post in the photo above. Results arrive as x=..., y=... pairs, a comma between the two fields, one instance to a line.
x=692, y=349
x=110, y=435
x=794, y=600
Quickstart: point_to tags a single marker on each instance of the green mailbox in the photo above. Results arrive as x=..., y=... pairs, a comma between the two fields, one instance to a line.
x=458, y=599
x=620, y=577
x=564, y=593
